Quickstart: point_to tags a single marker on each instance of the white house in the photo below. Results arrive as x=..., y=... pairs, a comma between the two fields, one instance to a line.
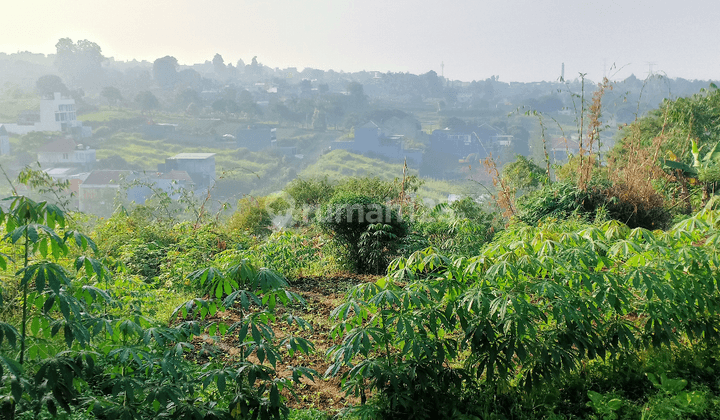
x=65, y=151
x=57, y=113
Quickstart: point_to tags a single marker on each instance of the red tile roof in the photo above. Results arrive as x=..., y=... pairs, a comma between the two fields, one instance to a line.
x=65, y=145
x=106, y=177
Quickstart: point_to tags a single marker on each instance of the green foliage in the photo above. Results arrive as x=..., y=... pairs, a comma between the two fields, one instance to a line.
x=368, y=229
x=562, y=200
x=533, y=307
x=339, y=164
x=147, y=101
x=310, y=414
x=112, y=95
x=558, y=200
x=694, y=117
x=672, y=402
x=605, y=405
x=87, y=346
x=570, y=171
x=524, y=174
x=310, y=191
x=292, y=254
x=49, y=84
x=255, y=215
x=377, y=188
x=459, y=229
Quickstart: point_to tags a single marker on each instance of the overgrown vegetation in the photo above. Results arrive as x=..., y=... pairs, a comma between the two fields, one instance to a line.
x=573, y=296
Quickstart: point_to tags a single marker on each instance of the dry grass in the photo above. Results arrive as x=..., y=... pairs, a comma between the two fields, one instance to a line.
x=632, y=179
x=505, y=197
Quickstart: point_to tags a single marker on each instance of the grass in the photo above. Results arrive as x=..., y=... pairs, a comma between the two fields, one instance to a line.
x=108, y=114
x=137, y=151
x=11, y=107
x=341, y=164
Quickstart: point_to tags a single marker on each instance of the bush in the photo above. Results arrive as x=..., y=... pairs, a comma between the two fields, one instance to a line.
x=290, y=253
x=255, y=215
x=634, y=209
x=459, y=229
x=559, y=200
x=310, y=192
x=367, y=229
x=618, y=202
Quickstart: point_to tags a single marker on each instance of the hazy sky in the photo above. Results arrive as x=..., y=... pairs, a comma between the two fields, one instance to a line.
x=519, y=40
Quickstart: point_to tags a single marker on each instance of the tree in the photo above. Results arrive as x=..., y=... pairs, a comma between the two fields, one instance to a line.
x=187, y=97
x=246, y=103
x=147, y=101
x=254, y=68
x=305, y=86
x=165, y=71
x=219, y=65
x=225, y=106
x=521, y=140
x=319, y=121
x=546, y=104
x=356, y=96
x=49, y=84
x=453, y=123
x=192, y=109
x=365, y=228
x=80, y=62
x=112, y=94
x=433, y=84
x=524, y=174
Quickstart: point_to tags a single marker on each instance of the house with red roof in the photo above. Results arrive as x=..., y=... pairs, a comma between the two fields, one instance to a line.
x=65, y=152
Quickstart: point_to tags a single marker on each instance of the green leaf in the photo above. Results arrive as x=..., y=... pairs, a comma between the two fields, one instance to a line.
x=221, y=382
x=35, y=325
x=16, y=389
x=614, y=404
x=274, y=396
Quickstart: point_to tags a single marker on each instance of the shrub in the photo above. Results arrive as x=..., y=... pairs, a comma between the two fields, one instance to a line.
x=617, y=201
x=627, y=205
x=367, y=229
x=458, y=229
x=310, y=192
x=255, y=215
x=290, y=253
x=524, y=174
x=559, y=200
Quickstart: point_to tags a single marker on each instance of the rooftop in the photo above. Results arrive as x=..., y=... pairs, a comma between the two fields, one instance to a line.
x=59, y=171
x=176, y=175
x=65, y=145
x=106, y=177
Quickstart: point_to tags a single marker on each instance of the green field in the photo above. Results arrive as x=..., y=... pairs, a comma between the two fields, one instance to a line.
x=341, y=164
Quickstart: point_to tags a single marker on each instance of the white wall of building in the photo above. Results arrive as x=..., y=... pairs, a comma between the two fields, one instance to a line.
x=56, y=114
x=4, y=145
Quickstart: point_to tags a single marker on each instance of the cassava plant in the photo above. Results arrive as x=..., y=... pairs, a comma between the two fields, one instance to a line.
x=538, y=303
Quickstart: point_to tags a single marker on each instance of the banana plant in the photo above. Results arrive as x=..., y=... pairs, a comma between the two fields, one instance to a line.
x=704, y=169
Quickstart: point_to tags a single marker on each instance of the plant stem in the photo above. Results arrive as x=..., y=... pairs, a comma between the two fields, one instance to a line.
x=387, y=343
x=24, y=313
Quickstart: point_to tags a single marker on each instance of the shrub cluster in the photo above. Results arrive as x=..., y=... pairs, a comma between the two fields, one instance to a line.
x=368, y=229
x=562, y=200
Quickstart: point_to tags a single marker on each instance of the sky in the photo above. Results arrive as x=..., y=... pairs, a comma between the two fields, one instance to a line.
x=517, y=40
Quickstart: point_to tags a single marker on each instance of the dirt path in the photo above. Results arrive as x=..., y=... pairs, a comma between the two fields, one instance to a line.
x=322, y=295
